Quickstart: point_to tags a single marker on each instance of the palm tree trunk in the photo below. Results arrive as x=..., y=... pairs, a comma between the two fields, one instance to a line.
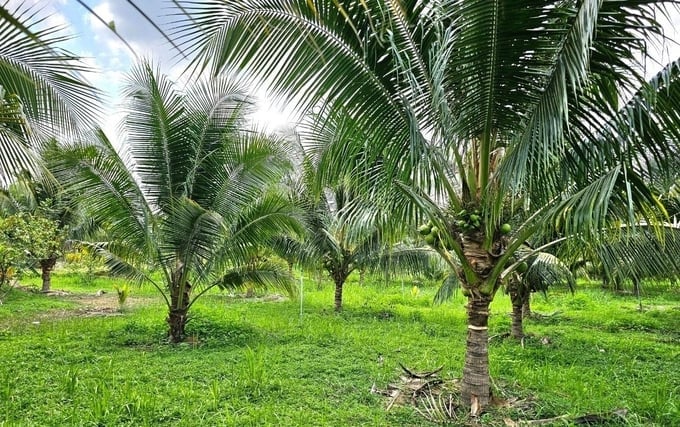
x=517, y=328
x=338, y=294
x=4, y=275
x=476, y=389
x=46, y=267
x=178, y=313
x=177, y=321
x=526, y=306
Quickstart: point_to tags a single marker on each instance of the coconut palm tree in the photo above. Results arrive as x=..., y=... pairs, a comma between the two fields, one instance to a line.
x=345, y=233
x=192, y=196
x=469, y=107
x=536, y=273
x=42, y=91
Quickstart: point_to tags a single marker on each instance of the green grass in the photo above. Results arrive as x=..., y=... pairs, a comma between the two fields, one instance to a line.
x=258, y=362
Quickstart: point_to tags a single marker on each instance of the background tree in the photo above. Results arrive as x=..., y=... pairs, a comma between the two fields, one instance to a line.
x=345, y=233
x=537, y=272
x=194, y=196
x=49, y=218
x=12, y=241
x=44, y=245
x=466, y=105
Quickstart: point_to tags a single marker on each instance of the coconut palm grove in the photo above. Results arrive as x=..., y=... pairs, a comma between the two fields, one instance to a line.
x=471, y=220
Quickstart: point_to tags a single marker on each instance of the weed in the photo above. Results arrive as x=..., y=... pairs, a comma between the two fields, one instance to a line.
x=70, y=383
x=215, y=394
x=253, y=373
x=123, y=292
x=99, y=401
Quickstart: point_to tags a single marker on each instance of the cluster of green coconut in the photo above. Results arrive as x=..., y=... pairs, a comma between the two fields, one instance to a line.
x=468, y=220
x=465, y=222
x=432, y=236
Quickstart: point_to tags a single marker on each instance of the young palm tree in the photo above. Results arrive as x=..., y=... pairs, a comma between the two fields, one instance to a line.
x=193, y=196
x=345, y=234
x=42, y=93
x=469, y=107
x=542, y=271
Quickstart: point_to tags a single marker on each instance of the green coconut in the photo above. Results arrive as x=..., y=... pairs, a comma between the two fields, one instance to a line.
x=430, y=239
x=522, y=267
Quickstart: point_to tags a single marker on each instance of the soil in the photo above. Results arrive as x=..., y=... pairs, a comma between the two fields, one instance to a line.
x=100, y=303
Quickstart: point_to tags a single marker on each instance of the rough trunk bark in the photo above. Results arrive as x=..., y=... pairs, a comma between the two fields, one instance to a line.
x=178, y=313
x=476, y=384
x=177, y=320
x=338, y=294
x=526, y=306
x=476, y=389
x=46, y=267
x=517, y=328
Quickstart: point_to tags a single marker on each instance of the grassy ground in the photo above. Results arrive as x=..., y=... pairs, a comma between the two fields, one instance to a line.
x=75, y=360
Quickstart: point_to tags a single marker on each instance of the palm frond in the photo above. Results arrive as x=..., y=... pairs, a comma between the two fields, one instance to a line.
x=263, y=275
x=642, y=254
x=619, y=194
x=95, y=175
x=122, y=260
x=447, y=289
x=547, y=270
x=190, y=233
x=402, y=259
x=266, y=219
x=15, y=153
x=234, y=177
x=46, y=78
x=156, y=127
x=544, y=131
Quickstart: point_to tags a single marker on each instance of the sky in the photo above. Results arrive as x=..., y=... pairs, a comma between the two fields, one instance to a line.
x=111, y=58
x=107, y=54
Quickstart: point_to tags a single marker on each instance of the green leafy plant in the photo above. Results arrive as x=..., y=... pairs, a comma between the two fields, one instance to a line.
x=12, y=247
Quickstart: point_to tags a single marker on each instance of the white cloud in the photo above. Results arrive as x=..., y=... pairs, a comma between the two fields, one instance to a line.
x=104, y=12
x=57, y=20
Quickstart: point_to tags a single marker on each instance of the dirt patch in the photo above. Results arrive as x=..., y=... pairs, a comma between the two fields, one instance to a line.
x=105, y=301
x=100, y=303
